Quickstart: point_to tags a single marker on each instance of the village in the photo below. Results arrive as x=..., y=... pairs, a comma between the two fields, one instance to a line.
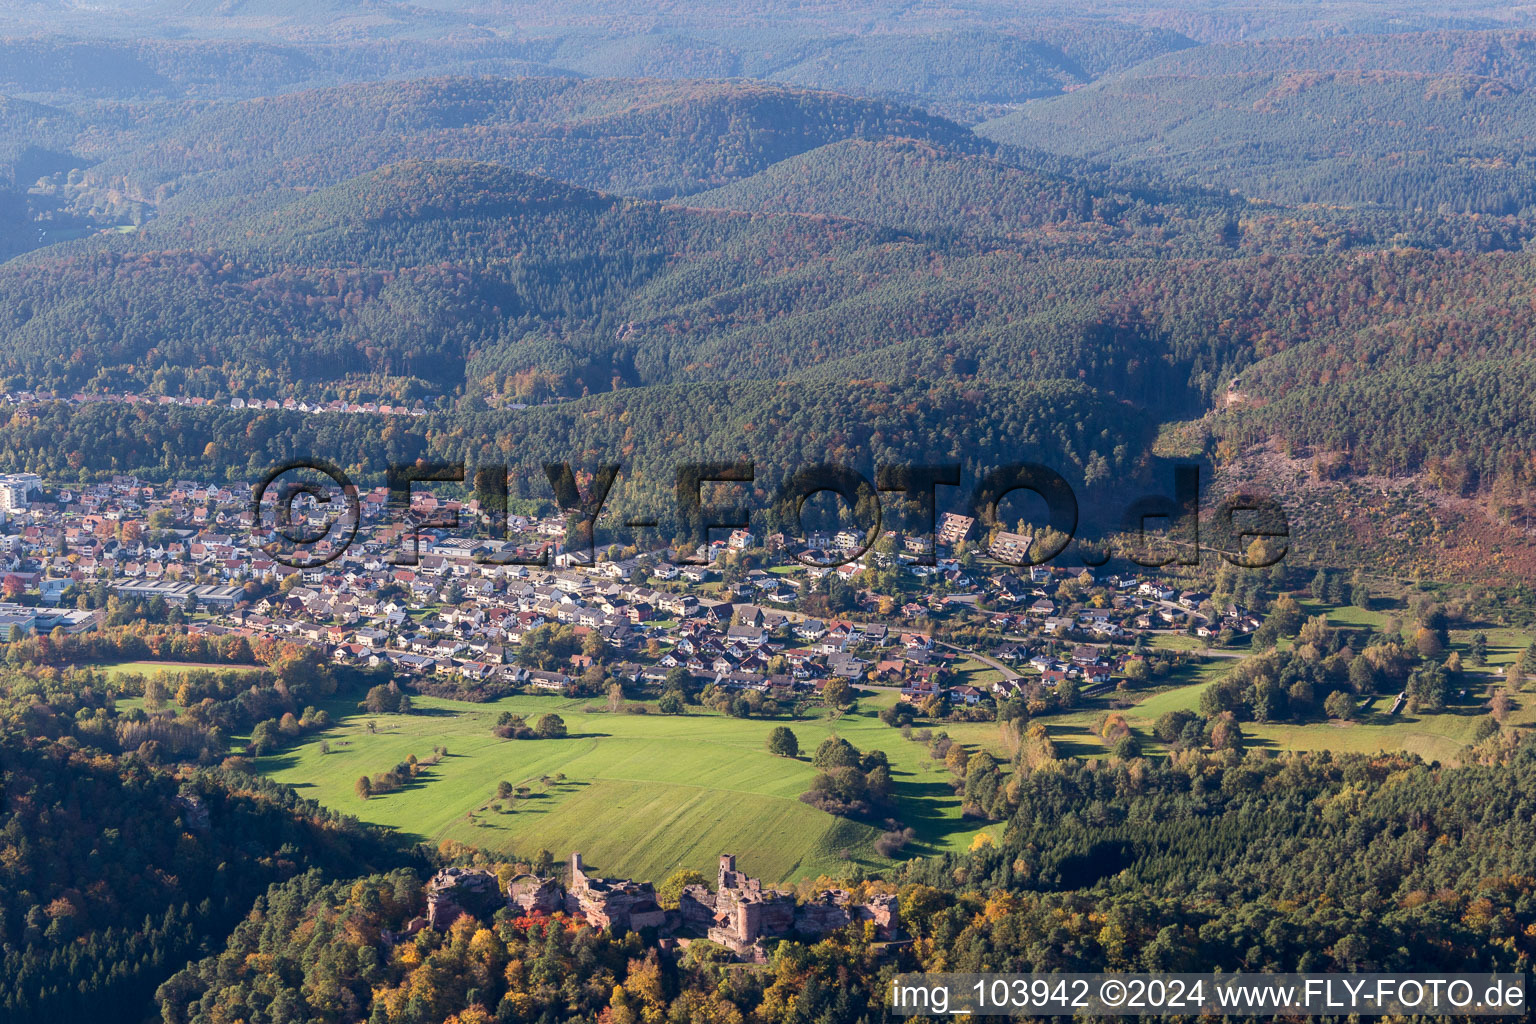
x=749, y=618
x=739, y=913
x=367, y=406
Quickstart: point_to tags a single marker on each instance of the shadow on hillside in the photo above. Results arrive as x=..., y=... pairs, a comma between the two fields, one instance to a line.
x=1073, y=745
x=279, y=762
x=920, y=806
x=420, y=712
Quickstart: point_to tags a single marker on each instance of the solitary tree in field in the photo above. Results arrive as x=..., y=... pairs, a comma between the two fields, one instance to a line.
x=1500, y=705
x=837, y=693
x=364, y=787
x=1339, y=705
x=1479, y=649
x=550, y=727
x=782, y=741
x=1226, y=734
x=263, y=738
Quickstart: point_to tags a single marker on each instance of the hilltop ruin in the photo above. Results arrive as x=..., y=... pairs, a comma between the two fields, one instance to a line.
x=740, y=913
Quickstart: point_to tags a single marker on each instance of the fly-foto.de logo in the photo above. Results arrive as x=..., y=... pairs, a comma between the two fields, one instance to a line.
x=307, y=512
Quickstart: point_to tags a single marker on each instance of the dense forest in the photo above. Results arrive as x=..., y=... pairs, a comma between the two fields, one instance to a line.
x=651, y=138
x=497, y=288
x=1433, y=121
x=117, y=871
x=133, y=839
x=967, y=71
x=782, y=428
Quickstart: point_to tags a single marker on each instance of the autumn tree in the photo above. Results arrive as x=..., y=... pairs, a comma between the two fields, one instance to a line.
x=1339, y=705
x=669, y=893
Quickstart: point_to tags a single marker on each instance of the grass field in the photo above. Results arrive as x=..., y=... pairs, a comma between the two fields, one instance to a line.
x=1433, y=737
x=969, y=671
x=1346, y=616
x=1177, y=642
x=1439, y=737
x=157, y=668
x=643, y=795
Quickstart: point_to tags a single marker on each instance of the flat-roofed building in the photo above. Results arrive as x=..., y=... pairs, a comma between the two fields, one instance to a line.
x=16, y=621
x=16, y=490
x=207, y=595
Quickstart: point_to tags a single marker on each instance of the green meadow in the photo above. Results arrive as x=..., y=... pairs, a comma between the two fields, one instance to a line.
x=970, y=672
x=1440, y=737
x=642, y=795
x=160, y=668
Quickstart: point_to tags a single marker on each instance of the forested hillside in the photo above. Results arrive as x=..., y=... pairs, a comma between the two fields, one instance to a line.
x=115, y=872
x=1266, y=239
x=961, y=71
x=1439, y=122
x=783, y=427
x=972, y=68
x=924, y=188
x=162, y=70
x=642, y=137
x=1508, y=55
x=494, y=287
x=128, y=844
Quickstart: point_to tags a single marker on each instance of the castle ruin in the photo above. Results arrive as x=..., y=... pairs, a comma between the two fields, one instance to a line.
x=739, y=914
x=454, y=892
x=619, y=904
